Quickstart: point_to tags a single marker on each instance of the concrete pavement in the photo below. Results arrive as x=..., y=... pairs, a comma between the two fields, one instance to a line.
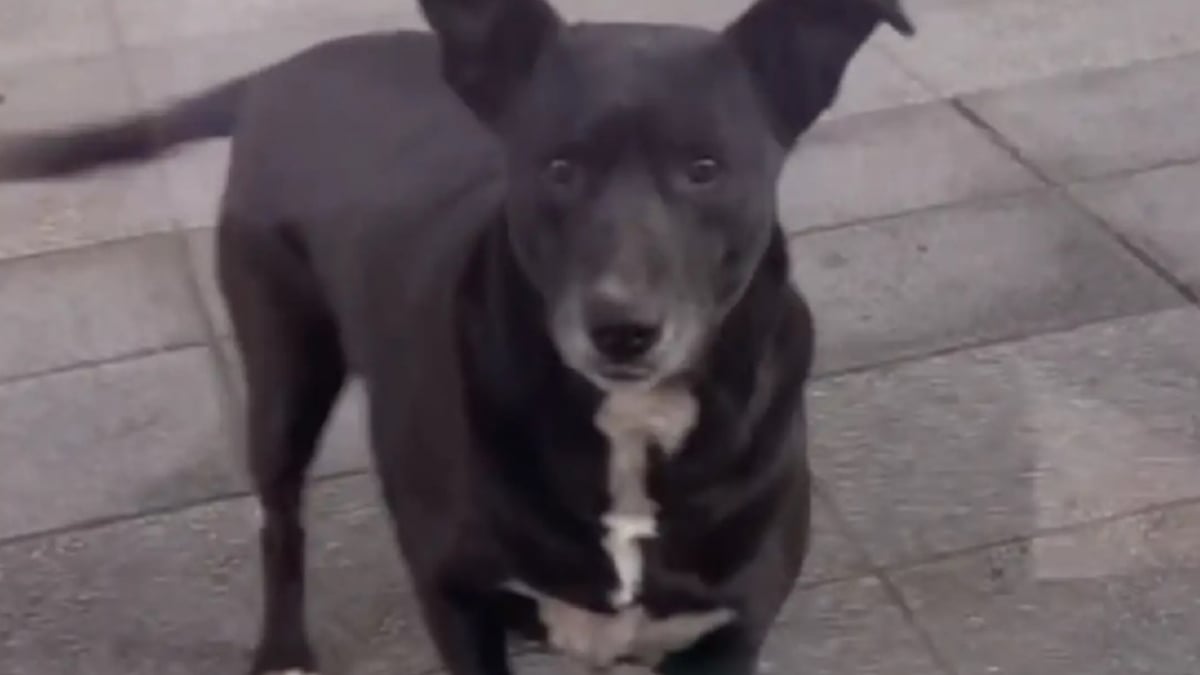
x=997, y=228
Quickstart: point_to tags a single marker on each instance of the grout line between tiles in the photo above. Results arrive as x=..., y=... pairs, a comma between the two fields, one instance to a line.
x=1099, y=223
x=884, y=572
x=1039, y=533
x=903, y=66
x=182, y=234
x=132, y=239
x=913, y=211
x=924, y=635
x=1041, y=188
x=999, y=139
x=983, y=343
x=93, y=524
x=126, y=357
x=1014, y=85
x=891, y=590
x=1139, y=253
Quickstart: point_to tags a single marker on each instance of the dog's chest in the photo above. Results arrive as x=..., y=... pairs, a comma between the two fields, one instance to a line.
x=633, y=424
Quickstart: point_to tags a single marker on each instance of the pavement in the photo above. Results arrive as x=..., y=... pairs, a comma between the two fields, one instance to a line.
x=998, y=228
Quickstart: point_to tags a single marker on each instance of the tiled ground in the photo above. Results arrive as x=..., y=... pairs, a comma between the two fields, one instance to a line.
x=997, y=227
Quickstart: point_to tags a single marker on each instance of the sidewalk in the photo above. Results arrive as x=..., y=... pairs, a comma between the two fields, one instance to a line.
x=999, y=230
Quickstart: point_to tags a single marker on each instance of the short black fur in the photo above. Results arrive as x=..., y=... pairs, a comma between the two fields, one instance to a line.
x=443, y=217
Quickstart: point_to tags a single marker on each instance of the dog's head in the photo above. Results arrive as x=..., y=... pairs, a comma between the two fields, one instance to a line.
x=643, y=160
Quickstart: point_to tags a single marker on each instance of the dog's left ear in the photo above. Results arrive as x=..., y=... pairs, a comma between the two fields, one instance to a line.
x=798, y=51
x=488, y=47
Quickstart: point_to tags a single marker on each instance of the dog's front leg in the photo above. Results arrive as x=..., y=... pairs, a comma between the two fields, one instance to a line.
x=729, y=651
x=467, y=632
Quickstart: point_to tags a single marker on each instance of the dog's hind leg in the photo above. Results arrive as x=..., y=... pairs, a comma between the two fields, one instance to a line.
x=294, y=370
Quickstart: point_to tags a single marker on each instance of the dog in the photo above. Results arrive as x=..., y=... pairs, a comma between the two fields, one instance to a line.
x=552, y=253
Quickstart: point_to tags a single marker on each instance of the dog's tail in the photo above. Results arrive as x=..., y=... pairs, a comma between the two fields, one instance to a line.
x=209, y=114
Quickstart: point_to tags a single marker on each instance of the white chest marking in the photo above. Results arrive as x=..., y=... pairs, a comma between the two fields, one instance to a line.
x=601, y=640
x=632, y=421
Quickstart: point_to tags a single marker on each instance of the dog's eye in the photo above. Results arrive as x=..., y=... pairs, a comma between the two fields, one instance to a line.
x=563, y=173
x=703, y=172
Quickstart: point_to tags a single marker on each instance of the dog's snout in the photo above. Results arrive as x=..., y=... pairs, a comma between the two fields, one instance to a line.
x=621, y=331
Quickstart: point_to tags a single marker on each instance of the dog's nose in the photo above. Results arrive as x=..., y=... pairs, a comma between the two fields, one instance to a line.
x=621, y=332
x=625, y=342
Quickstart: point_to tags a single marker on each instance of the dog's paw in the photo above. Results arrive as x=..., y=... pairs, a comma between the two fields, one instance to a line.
x=284, y=657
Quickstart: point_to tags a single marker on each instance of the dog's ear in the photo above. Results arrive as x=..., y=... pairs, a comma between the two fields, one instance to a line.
x=798, y=51
x=488, y=47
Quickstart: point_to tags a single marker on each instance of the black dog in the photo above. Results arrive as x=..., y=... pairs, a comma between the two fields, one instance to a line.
x=569, y=299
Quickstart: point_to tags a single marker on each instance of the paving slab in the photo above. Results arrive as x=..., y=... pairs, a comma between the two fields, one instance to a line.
x=135, y=596
x=1157, y=211
x=110, y=441
x=850, y=627
x=971, y=45
x=202, y=257
x=163, y=73
x=64, y=92
x=832, y=554
x=1122, y=598
x=873, y=82
x=47, y=215
x=880, y=163
x=95, y=304
x=982, y=446
x=178, y=594
x=711, y=14
x=1091, y=124
x=43, y=30
x=954, y=276
x=195, y=182
x=155, y=22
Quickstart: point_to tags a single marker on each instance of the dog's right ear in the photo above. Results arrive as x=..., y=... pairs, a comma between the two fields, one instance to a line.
x=488, y=47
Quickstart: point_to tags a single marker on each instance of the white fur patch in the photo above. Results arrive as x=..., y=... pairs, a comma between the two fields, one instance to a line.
x=621, y=542
x=633, y=420
x=290, y=672
x=600, y=640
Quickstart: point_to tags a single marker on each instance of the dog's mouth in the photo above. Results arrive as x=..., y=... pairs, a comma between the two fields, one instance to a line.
x=625, y=374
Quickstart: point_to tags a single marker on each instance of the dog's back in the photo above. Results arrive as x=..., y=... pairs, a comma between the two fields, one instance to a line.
x=363, y=122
